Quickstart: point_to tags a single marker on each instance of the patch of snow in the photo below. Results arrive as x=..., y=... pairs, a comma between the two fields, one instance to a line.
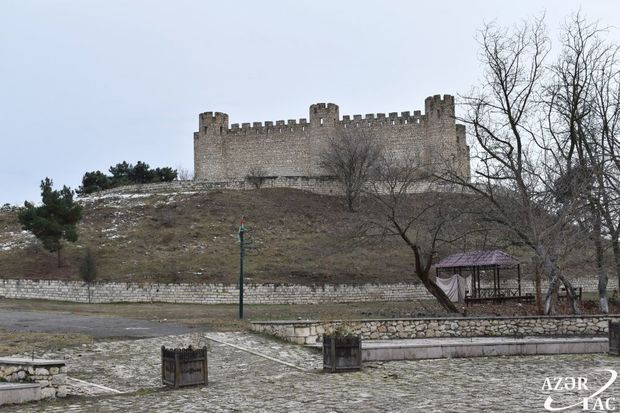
x=16, y=240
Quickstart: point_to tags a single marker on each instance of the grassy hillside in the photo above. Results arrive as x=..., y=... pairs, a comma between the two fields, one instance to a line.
x=298, y=237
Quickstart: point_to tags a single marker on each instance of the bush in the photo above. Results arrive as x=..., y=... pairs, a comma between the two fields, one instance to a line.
x=94, y=181
x=88, y=267
x=125, y=174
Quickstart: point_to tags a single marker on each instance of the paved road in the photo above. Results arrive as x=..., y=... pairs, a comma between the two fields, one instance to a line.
x=243, y=381
x=100, y=327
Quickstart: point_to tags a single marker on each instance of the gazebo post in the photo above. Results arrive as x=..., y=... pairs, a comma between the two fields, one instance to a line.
x=499, y=288
x=476, y=286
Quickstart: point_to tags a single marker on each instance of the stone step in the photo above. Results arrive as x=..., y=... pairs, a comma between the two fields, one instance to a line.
x=416, y=349
x=14, y=393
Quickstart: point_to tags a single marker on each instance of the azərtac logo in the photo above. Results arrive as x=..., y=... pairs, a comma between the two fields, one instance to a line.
x=592, y=403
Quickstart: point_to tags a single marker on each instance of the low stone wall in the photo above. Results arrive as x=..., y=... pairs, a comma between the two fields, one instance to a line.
x=325, y=185
x=311, y=332
x=110, y=292
x=319, y=184
x=51, y=375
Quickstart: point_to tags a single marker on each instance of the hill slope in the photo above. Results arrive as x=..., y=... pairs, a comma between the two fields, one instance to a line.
x=191, y=237
x=296, y=237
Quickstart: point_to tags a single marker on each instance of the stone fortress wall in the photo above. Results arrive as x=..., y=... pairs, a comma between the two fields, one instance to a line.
x=292, y=148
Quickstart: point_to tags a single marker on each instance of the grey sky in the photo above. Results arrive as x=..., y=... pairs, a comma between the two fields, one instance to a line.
x=86, y=84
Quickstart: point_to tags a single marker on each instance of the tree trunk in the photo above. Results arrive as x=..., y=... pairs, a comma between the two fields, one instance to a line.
x=58, y=256
x=600, y=270
x=554, y=275
x=538, y=287
x=615, y=246
x=439, y=294
x=602, y=292
x=551, y=296
x=422, y=270
x=570, y=293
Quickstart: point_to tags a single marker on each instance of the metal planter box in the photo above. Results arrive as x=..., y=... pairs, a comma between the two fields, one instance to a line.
x=614, y=338
x=342, y=353
x=184, y=367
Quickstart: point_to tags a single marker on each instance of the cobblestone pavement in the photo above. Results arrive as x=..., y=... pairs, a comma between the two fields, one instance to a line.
x=241, y=381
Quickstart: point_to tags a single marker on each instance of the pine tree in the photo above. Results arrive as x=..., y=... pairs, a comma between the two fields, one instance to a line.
x=54, y=220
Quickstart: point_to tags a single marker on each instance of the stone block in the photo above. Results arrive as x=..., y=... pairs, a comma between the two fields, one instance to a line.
x=59, y=379
x=298, y=340
x=40, y=371
x=48, y=393
x=62, y=391
x=311, y=339
x=19, y=393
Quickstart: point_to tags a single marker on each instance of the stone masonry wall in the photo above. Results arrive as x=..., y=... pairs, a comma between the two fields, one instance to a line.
x=52, y=378
x=323, y=185
x=311, y=332
x=108, y=292
x=102, y=292
x=292, y=148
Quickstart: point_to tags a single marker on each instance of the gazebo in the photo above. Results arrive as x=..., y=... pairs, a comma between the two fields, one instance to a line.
x=475, y=262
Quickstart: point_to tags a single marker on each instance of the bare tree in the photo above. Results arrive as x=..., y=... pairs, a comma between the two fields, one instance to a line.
x=256, y=176
x=349, y=156
x=422, y=224
x=184, y=174
x=516, y=163
x=606, y=138
x=582, y=114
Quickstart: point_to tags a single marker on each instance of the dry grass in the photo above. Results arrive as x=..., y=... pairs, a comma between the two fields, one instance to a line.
x=221, y=317
x=17, y=342
x=299, y=238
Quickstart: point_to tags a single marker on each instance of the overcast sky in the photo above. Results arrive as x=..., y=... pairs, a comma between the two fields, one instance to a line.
x=86, y=84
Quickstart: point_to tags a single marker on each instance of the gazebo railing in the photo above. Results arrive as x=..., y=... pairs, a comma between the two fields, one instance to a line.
x=494, y=292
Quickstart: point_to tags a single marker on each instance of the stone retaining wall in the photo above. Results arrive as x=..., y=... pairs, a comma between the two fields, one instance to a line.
x=324, y=185
x=51, y=376
x=207, y=293
x=319, y=184
x=109, y=292
x=312, y=331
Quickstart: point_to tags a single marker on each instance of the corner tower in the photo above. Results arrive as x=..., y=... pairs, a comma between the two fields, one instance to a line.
x=324, y=119
x=209, y=146
x=446, y=149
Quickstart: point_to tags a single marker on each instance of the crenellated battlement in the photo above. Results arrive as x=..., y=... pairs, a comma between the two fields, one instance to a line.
x=326, y=114
x=436, y=107
x=381, y=120
x=292, y=147
x=279, y=126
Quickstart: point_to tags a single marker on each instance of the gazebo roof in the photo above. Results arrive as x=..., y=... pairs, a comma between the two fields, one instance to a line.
x=477, y=259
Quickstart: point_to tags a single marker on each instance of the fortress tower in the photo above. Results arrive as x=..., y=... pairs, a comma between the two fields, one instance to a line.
x=292, y=148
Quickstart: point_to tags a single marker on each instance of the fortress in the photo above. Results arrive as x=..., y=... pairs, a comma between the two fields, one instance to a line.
x=292, y=149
